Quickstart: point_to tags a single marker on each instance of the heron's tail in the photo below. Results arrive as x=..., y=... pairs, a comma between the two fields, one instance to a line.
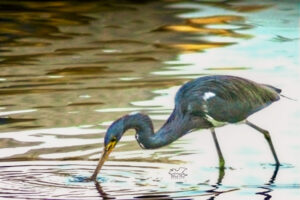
x=279, y=91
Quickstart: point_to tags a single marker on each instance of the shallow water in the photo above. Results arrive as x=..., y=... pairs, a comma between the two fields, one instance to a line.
x=68, y=69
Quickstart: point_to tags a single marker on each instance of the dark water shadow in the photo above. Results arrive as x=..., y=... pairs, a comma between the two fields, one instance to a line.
x=9, y=120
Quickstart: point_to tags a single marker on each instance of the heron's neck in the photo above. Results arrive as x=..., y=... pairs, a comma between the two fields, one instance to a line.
x=173, y=128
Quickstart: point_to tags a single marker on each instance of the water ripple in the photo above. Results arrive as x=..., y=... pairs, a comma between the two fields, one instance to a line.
x=69, y=180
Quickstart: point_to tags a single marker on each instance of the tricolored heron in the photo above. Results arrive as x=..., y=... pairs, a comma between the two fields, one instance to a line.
x=204, y=103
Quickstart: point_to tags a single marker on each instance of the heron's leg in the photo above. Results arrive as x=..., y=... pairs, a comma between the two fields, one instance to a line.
x=221, y=158
x=267, y=137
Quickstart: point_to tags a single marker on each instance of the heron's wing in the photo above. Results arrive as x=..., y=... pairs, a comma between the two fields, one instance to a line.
x=222, y=110
x=236, y=99
x=227, y=98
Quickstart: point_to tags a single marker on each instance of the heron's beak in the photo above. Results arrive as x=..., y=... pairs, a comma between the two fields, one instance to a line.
x=107, y=150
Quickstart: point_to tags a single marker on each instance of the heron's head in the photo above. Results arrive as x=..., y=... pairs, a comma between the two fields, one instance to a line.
x=112, y=137
x=114, y=133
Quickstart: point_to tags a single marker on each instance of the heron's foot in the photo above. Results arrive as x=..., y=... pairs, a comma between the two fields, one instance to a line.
x=221, y=171
x=221, y=176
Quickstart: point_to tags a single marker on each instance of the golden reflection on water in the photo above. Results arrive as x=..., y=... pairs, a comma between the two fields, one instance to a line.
x=221, y=19
x=201, y=26
x=198, y=47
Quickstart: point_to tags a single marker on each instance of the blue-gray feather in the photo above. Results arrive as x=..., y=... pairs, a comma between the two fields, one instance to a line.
x=227, y=99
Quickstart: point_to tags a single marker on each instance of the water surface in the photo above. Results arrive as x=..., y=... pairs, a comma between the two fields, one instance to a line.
x=68, y=69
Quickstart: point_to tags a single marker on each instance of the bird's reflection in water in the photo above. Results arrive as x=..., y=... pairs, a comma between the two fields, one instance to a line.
x=267, y=187
x=213, y=193
x=101, y=192
x=217, y=185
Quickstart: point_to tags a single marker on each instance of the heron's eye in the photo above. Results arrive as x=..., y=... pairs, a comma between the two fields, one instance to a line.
x=114, y=139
